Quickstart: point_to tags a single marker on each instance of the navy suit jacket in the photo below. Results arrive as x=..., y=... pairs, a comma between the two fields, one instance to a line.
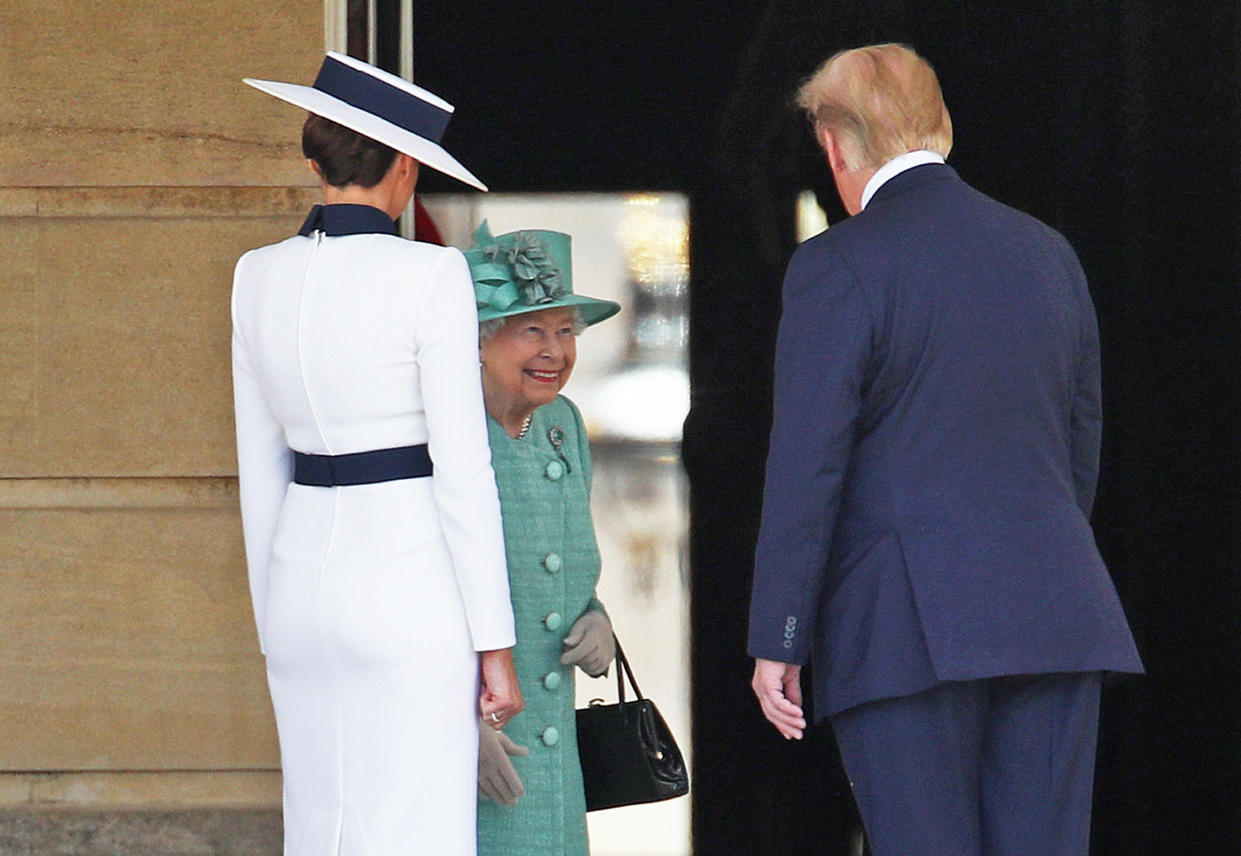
x=934, y=454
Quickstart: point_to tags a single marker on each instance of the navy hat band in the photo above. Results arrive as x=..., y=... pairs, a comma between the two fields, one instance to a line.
x=361, y=90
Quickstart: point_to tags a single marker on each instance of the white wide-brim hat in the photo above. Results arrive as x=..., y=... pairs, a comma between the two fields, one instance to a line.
x=378, y=105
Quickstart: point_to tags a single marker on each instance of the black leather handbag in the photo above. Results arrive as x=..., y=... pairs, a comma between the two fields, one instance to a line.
x=628, y=754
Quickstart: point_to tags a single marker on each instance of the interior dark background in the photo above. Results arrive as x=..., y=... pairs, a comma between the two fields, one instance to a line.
x=1114, y=121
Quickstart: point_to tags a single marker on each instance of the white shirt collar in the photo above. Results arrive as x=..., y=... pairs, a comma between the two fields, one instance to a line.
x=895, y=167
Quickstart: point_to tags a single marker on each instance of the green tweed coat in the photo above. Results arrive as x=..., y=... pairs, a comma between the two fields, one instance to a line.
x=553, y=567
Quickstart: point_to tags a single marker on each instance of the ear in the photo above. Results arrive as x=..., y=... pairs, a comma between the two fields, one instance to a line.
x=314, y=167
x=831, y=148
x=407, y=164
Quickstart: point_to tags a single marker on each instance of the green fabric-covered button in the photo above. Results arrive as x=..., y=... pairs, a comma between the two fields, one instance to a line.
x=551, y=680
x=550, y=736
x=552, y=562
x=553, y=621
x=554, y=470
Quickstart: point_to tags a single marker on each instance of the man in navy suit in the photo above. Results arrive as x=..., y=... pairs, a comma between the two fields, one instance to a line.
x=925, y=537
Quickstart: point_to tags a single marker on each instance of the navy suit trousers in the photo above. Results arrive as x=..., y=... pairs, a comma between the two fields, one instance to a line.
x=993, y=767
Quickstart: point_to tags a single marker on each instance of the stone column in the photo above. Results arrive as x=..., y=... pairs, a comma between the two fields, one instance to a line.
x=134, y=168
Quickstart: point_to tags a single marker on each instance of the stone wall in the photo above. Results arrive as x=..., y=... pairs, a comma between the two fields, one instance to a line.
x=134, y=168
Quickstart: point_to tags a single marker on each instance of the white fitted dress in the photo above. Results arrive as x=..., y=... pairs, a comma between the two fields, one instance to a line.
x=370, y=600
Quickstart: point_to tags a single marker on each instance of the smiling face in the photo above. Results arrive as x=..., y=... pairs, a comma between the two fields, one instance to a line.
x=527, y=362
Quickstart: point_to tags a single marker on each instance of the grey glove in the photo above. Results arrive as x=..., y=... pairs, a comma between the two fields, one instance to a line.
x=590, y=644
x=497, y=779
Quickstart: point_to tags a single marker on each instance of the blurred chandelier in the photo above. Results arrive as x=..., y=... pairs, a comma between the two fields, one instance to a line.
x=647, y=398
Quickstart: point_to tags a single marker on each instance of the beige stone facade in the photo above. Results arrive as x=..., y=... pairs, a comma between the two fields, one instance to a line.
x=134, y=168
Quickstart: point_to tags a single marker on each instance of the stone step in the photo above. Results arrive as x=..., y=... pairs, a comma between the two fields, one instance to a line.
x=208, y=832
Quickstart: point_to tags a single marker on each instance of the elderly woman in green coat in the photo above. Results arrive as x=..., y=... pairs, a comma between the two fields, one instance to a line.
x=531, y=801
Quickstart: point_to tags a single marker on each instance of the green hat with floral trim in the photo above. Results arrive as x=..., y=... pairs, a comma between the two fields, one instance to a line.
x=527, y=271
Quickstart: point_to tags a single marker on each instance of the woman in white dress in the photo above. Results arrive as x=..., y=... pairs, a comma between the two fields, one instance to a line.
x=372, y=525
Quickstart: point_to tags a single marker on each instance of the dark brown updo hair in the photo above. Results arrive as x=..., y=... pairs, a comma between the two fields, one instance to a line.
x=344, y=156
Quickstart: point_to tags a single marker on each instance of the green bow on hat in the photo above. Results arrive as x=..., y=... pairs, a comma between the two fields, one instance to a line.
x=527, y=271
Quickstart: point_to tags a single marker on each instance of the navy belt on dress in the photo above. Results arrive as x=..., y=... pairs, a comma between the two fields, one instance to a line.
x=381, y=465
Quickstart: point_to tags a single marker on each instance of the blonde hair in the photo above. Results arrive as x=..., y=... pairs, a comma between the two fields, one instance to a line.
x=879, y=102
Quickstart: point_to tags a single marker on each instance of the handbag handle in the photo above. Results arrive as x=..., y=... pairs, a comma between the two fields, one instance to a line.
x=622, y=670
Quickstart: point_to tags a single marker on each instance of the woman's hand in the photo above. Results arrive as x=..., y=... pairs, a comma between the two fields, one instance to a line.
x=497, y=778
x=590, y=644
x=500, y=698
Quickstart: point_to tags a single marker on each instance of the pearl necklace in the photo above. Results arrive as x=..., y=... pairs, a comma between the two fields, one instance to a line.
x=525, y=427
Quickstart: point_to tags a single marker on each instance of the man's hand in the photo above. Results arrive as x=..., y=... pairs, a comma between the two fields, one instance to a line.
x=778, y=687
x=497, y=779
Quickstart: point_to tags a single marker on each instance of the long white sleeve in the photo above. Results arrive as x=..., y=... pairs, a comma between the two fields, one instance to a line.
x=264, y=467
x=465, y=488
